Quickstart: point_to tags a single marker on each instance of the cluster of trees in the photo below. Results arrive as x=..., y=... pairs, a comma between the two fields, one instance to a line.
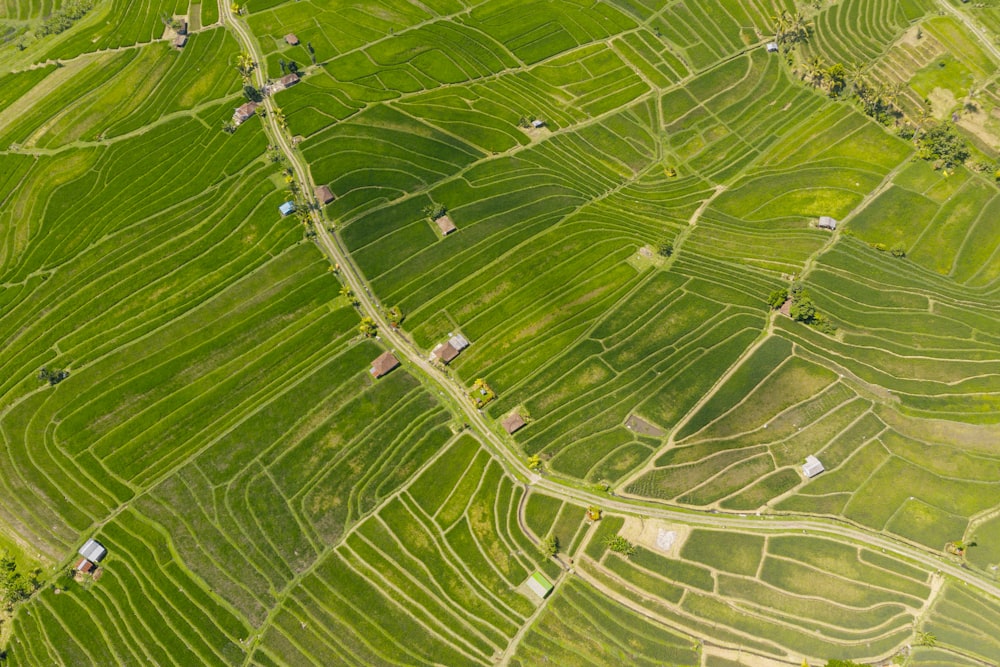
x=435, y=211
x=802, y=308
x=367, y=328
x=290, y=66
x=395, y=316
x=791, y=28
x=14, y=584
x=665, y=248
x=942, y=143
x=64, y=18
x=346, y=291
x=252, y=94
x=877, y=99
x=52, y=375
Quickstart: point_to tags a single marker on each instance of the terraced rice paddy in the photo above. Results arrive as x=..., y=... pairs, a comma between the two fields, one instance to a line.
x=629, y=182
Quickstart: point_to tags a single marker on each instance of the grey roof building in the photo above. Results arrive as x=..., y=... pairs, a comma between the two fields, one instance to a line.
x=93, y=551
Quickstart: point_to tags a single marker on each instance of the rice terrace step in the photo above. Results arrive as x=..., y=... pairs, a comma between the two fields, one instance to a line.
x=500, y=333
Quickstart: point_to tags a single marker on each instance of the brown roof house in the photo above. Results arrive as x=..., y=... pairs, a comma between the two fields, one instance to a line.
x=447, y=352
x=180, y=41
x=513, y=423
x=383, y=364
x=291, y=39
x=324, y=195
x=243, y=113
x=289, y=80
x=445, y=224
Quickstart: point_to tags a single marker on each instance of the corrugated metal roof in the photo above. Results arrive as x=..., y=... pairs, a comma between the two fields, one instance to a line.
x=539, y=585
x=93, y=550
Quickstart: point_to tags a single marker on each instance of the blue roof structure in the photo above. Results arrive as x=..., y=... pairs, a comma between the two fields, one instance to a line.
x=287, y=208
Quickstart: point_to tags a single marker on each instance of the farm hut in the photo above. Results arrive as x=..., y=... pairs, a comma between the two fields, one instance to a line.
x=445, y=352
x=539, y=585
x=324, y=195
x=383, y=364
x=537, y=123
x=182, y=28
x=772, y=47
x=83, y=565
x=291, y=39
x=288, y=80
x=812, y=466
x=93, y=551
x=513, y=423
x=244, y=112
x=445, y=224
x=287, y=208
x=786, y=308
x=180, y=41
x=826, y=222
x=459, y=342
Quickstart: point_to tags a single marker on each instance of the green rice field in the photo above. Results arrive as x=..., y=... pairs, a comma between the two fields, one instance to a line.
x=255, y=412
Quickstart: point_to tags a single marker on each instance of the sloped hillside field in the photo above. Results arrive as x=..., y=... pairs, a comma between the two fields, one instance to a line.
x=653, y=332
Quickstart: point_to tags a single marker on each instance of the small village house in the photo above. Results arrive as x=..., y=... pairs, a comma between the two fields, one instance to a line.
x=291, y=39
x=287, y=208
x=180, y=40
x=324, y=195
x=513, y=423
x=772, y=47
x=537, y=123
x=244, y=112
x=445, y=224
x=384, y=363
x=445, y=352
x=288, y=80
x=539, y=585
x=826, y=222
x=812, y=466
x=91, y=553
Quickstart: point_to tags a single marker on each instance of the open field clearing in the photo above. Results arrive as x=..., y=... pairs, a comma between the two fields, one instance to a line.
x=499, y=333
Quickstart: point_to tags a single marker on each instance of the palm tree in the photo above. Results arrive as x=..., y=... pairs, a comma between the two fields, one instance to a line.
x=245, y=66
x=815, y=71
x=799, y=27
x=781, y=24
x=856, y=75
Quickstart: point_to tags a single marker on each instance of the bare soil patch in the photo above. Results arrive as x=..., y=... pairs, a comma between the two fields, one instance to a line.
x=643, y=427
x=658, y=536
x=942, y=102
